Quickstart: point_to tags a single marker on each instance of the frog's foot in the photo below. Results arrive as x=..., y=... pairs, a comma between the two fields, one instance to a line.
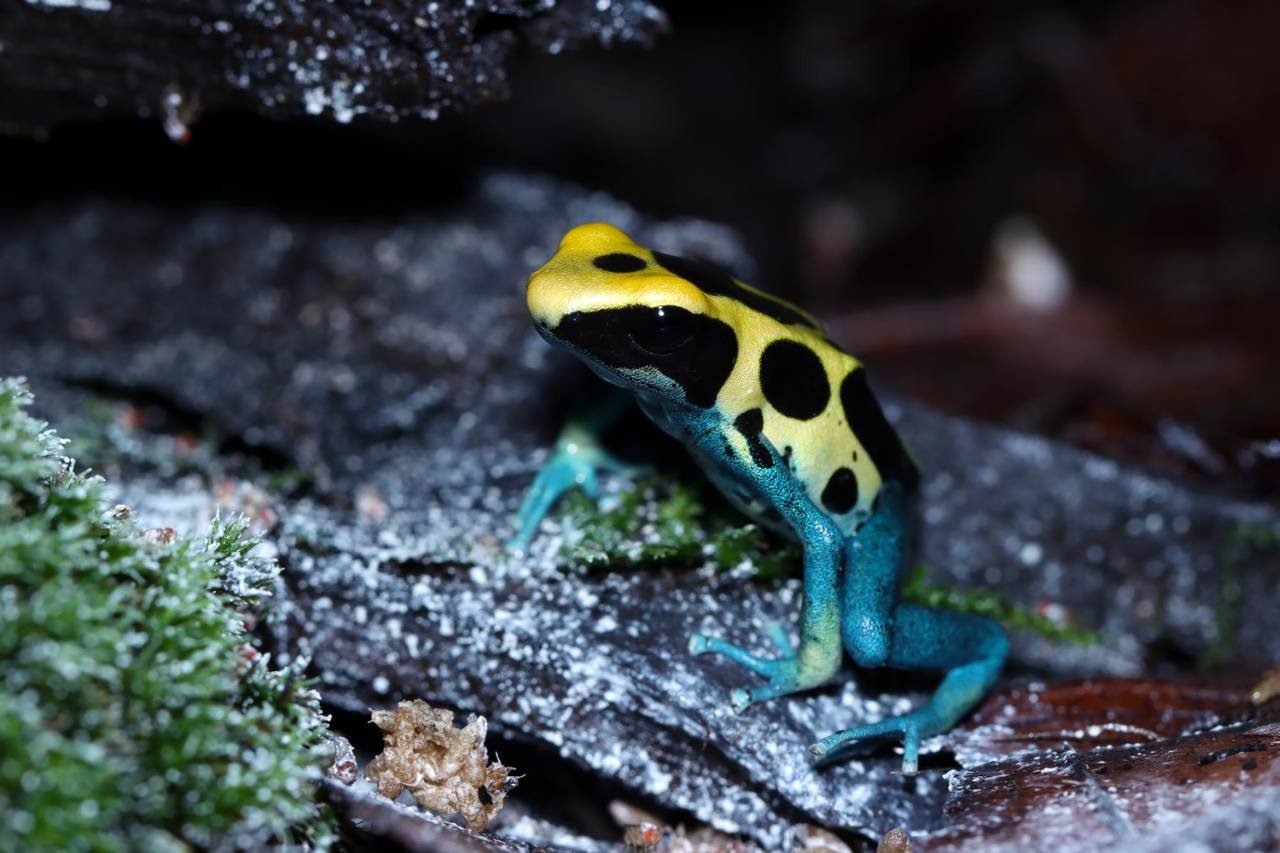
x=785, y=674
x=913, y=727
x=574, y=464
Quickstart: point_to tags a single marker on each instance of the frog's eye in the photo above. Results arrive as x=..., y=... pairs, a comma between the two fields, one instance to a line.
x=619, y=262
x=662, y=331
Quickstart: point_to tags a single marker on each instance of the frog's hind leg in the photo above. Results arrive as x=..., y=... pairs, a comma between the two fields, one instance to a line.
x=879, y=631
x=971, y=648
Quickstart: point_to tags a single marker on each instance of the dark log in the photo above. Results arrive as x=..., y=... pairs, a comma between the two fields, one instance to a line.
x=68, y=60
x=393, y=362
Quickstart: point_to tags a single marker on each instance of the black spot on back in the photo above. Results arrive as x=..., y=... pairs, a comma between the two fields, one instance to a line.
x=750, y=423
x=619, y=262
x=700, y=364
x=841, y=492
x=711, y=279
x=793, y=380
x=874, y=432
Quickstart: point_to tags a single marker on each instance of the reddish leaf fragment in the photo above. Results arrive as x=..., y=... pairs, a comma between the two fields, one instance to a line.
x=1074, y=800
x=1087, y=715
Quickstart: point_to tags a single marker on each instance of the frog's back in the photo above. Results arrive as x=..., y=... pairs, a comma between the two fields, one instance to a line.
x=809, y=398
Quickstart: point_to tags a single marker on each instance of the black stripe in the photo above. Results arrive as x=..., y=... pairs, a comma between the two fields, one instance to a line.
x=751, y=423
x=711, y=279
x=700, y=364
x=875, y=433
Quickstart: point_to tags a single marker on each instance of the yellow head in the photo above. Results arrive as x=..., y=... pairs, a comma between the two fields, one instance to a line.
x=598, y=267
x=621, y=308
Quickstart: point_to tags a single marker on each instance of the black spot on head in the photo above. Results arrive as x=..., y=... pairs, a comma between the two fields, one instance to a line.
x=750, y=423
x=710, y=278
x=793, y=380
x=841, y=493
x=694, y=351
x=619, y=262
x=867, y=421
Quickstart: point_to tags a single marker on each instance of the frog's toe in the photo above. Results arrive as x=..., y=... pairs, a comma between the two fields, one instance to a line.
x=778, y=633
x=699, y=644
x=912, y=727
x=781, y=684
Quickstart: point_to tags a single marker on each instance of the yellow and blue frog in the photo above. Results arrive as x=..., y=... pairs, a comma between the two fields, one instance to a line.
x=784, y=423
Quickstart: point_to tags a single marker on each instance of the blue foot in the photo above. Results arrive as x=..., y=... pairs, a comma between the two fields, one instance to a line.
x=575, y=463
x=913, y=727
x=785, y=674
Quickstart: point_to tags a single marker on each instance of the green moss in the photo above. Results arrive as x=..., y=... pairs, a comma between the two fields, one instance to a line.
x=658, y=523
x=134, y=711
x=661, y=524
x=983, y=602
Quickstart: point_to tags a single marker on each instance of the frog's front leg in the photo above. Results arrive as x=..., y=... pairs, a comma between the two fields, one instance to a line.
x=575, y=462
x=818, y=658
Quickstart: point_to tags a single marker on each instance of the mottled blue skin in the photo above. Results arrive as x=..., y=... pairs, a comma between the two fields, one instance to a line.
x=855, y=610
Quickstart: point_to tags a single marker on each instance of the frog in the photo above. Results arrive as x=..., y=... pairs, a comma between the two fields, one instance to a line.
x=784, y=422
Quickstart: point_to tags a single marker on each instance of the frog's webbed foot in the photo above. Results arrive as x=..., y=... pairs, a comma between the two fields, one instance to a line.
x=576, y=462
x=785, y=674
x=913, y=727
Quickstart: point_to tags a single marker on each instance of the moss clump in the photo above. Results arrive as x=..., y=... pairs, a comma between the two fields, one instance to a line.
x=983, y=602
x=134, y=711
x=674, y=525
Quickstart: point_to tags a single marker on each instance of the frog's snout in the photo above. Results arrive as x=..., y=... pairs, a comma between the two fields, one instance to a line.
x=540, y=297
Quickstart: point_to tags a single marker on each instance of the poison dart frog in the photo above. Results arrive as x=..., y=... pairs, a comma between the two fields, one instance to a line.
x=785, y=424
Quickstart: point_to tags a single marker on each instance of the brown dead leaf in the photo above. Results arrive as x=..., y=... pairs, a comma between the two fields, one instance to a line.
x=1090, y=794
x=1087, y=715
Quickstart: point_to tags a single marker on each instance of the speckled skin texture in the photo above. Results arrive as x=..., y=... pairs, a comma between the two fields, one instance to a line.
x=396, y=356
x=733, y=374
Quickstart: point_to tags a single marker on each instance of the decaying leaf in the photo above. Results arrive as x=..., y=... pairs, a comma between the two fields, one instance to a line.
x=1084, y=794
x=445, y=769
x=1086, y=714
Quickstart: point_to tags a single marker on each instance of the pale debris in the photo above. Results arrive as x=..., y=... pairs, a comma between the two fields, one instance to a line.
x=1026, y=269
x=343, y=767
x=445, y=769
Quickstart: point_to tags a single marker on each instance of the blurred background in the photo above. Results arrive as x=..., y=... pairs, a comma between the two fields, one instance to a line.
x=1056, y=216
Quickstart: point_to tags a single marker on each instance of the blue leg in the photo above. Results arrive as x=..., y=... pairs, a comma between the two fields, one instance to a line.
x=819, y=654
x=575, y=462
x=874, y=557
x=878, y=631
x=972, y=648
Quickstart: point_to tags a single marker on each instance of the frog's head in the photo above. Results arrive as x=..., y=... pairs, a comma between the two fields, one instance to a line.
x=618, y=307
